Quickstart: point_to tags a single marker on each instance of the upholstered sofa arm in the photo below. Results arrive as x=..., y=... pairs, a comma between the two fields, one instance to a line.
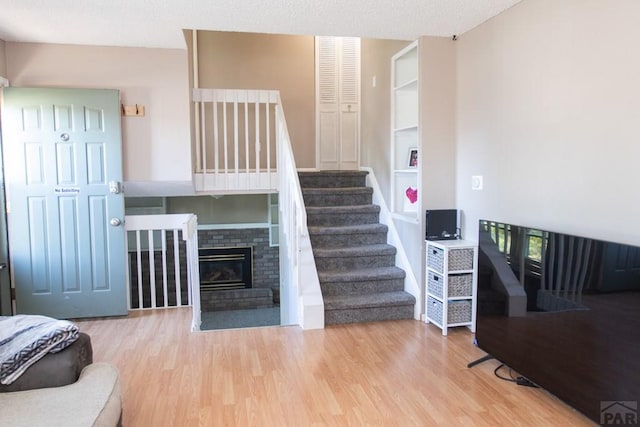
x=55, y=369
x=94, y=400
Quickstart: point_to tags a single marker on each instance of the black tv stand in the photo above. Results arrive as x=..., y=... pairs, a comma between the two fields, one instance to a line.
x=479, y=361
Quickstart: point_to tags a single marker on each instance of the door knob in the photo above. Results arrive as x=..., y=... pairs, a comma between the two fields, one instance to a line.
x=115, y=222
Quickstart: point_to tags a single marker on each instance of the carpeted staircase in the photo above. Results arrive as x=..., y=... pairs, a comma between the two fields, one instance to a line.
x=356, y=267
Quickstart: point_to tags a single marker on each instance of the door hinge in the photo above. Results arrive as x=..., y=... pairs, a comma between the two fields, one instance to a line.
x=13, y=294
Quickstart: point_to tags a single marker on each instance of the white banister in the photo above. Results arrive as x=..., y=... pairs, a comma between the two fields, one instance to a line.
x=237, y=119
x=202, y=140
x=231, y=165
x=300, y=286
x=268, y=137
x=225, y=140
x=216, y=139
x=176, y=267
x=190, y=235
x=269, y=166
x=165, y=291
x=246, y=136
x=145, y=281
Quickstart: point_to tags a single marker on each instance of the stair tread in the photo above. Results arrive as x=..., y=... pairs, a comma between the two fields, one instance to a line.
x=333, y=173
x=338, y=302
x=366, y=250
x=358, y=277
x=341, y=190
x=342, y=209
x=348, y=229
x=380, y=273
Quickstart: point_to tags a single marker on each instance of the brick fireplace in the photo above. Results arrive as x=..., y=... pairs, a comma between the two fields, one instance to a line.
x=261, y=290
x=243, y=252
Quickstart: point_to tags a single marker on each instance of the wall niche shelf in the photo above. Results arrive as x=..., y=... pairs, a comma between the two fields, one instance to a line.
x=405, y=135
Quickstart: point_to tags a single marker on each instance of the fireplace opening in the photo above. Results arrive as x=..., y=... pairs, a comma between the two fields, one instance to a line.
x=225, y=268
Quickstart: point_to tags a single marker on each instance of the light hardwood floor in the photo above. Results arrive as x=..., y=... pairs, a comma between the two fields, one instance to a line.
x=387, y=373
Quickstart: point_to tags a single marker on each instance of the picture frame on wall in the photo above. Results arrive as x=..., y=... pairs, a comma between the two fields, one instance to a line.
x=412, y=159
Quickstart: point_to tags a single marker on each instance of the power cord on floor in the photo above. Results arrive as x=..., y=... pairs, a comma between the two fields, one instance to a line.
x=495, y=371
x=518, y=380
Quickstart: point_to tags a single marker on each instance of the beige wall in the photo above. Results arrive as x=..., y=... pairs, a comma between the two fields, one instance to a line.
x=266, y=61
x=240, y=209
x=437, y=107
x=548, y=112
x=438, y=121
x=155, y=147
x=3, y=59
x=375, y=57
x=437, y=82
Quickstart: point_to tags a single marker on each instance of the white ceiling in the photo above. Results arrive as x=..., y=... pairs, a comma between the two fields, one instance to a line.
x=159, y=23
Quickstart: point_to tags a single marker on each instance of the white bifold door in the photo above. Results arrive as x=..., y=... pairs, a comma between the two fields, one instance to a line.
x=63, y=168
x=338, y=103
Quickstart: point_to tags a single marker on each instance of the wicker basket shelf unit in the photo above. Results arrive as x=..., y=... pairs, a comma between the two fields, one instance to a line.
x=451, y=284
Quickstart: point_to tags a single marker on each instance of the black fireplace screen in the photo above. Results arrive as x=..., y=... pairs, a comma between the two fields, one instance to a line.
x=225, y=268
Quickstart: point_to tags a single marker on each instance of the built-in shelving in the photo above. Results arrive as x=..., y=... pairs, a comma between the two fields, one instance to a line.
x=405, y=134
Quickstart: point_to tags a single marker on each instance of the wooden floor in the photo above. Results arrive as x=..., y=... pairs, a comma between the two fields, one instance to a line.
x=389, y=373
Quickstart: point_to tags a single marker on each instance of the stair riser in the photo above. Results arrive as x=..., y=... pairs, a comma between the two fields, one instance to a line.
x=346, y=240
x=332, y=182
x=364, y=287
x=354, y=263
x=337, y=220
x=369, y=314
x=336, y=199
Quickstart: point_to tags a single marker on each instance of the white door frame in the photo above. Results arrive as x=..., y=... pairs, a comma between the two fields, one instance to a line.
x=6, y=303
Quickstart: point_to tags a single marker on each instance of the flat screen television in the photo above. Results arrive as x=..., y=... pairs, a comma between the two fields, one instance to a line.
x=564, y=312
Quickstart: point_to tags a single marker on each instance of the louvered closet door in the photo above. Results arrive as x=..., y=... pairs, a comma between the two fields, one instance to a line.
x=338, y=102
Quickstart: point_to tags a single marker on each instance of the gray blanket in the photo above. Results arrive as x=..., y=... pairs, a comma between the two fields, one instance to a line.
x=25, y=339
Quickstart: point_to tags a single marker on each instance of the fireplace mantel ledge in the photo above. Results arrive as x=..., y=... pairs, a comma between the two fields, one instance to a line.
x=246, y=225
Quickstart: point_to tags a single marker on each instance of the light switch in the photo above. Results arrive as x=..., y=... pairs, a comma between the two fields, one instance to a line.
x=476, y=182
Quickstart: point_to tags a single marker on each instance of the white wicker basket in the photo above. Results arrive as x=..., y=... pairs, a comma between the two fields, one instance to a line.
x=460, y=259
x=457, y=311
x=435, y=258
x=434, y=283
x=434, y=310
x=460, y=285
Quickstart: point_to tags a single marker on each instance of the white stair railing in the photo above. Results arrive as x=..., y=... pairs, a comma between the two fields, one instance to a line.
x=156, y=260
x=300, y=286
x=244, y=147
x=236, y=150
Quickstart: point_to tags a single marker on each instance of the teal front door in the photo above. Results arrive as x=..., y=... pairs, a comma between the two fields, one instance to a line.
x=63, y=169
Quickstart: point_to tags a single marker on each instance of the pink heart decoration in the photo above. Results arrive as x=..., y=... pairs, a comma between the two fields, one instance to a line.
x=412, y=194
